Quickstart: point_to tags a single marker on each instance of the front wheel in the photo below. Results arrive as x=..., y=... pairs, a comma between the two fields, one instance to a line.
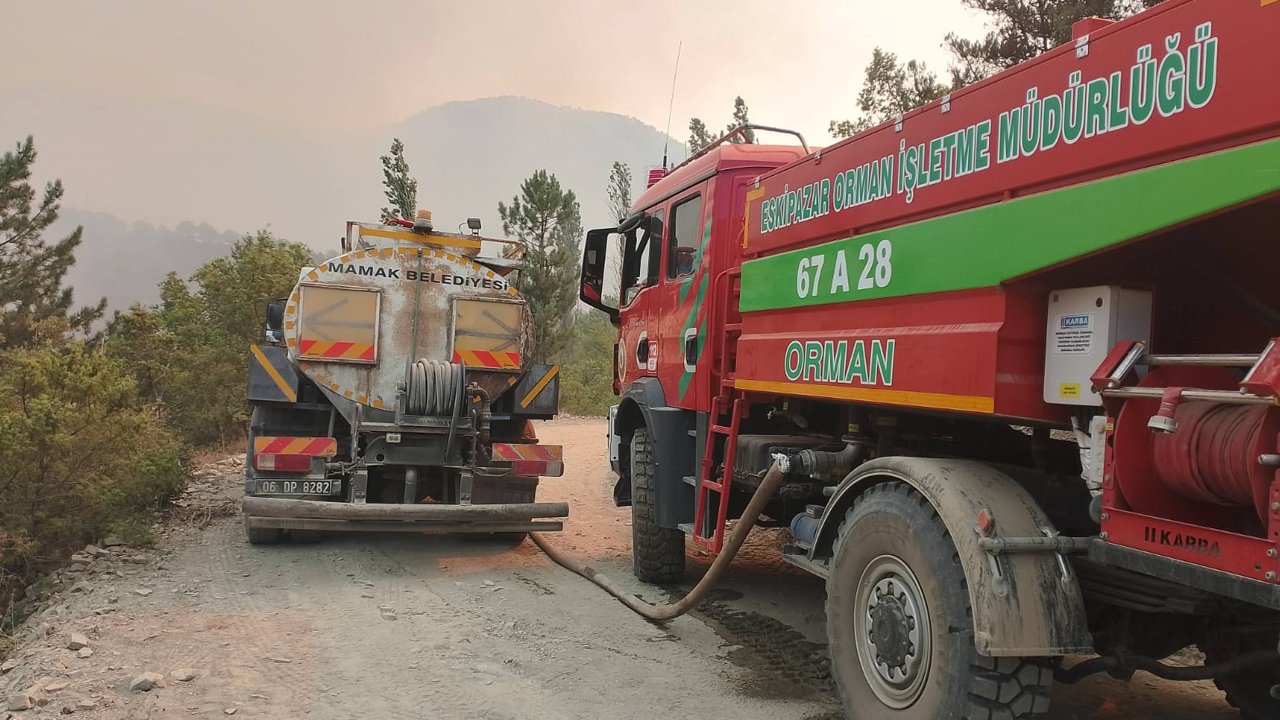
x=657, y=553
x=900, y=627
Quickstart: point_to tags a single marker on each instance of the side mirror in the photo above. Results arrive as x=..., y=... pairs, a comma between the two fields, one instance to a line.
x=275, y=322
x=595, y=254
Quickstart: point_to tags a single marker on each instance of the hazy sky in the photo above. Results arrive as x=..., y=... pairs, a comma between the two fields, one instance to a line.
x=315, y=65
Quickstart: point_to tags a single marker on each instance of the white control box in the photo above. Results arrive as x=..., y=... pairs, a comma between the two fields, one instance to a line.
x=1084, y=324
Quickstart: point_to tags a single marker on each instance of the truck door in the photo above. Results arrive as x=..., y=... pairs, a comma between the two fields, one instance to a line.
x=687, y=275
x=642, y=299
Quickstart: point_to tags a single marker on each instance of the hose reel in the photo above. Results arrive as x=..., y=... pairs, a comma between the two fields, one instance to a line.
x=434, y=387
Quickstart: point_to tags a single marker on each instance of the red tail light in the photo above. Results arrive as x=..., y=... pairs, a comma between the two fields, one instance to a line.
x=277, y=462
x=531, y=459
x=534, y=468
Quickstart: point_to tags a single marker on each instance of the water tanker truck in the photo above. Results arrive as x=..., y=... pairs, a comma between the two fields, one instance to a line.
x=1015, y=355
x=395, y=393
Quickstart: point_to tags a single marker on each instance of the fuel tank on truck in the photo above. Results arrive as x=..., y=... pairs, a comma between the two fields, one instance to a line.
x=355, y=325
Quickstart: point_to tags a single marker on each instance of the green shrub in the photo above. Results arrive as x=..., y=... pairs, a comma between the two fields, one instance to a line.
x=190, y=352
x=81, y=456
x=586, y=369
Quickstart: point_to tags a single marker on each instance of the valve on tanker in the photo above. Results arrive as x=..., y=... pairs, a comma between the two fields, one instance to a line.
x=1164, y=421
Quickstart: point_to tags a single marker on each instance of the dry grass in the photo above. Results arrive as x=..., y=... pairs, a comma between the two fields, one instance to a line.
x=200, y=458
x=201, y=516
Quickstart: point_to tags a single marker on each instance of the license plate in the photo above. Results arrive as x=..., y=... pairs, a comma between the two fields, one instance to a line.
x=299, y=487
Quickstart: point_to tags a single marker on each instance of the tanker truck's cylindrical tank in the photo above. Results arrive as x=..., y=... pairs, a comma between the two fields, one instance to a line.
x=356, y=322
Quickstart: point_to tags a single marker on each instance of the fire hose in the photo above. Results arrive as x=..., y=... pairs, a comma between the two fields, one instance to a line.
x=733, y=543
x=671, y=611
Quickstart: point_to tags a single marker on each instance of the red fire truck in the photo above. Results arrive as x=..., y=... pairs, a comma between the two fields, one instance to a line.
x=1015, y=351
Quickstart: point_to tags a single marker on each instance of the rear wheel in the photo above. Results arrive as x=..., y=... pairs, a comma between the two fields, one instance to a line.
x=657, y=553
x=261, y=536
x=503, y=490
x=900, y=625
x=1252, y=692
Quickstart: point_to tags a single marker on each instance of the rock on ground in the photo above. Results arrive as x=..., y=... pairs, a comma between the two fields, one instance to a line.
x=22, y=701
x=146, y=682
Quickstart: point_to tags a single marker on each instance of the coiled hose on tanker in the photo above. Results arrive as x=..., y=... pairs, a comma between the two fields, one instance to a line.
x=671, y=611
x=434, y=387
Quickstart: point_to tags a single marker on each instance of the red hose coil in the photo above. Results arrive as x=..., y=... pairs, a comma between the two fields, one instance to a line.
x=1212, y=456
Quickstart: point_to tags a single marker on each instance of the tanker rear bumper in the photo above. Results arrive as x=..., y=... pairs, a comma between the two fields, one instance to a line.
x=292, y=514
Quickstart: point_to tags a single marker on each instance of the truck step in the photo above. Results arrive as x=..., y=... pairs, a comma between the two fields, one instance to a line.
x=802, y=561
x=690, y=480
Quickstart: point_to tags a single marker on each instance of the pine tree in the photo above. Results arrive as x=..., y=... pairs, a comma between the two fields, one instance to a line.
x=400, y=187
x=890, y=89
x=619, y=194
x=740, y=118
x=34, y=305
x=547, y=219
x=1023, y=29
x=699, y=136
x=619, y=191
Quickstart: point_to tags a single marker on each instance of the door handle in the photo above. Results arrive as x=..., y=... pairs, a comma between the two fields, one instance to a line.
x=690, y=349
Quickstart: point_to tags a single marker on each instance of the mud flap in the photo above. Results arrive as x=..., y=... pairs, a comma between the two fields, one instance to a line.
x=1024, y=605
x=674, y=448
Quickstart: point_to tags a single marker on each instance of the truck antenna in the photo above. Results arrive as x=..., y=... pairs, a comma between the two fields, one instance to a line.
x=667, y=135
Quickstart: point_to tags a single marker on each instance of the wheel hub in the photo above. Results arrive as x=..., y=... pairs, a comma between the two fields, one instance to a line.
x=889, y=630
x=892, y=632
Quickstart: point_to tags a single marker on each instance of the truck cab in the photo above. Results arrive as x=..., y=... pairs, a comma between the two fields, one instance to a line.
x=674, y=261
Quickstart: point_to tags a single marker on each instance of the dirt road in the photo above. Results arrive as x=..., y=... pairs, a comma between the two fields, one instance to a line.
x=376, y=627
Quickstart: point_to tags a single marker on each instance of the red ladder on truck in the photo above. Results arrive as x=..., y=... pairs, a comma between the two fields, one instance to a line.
x=712, y=491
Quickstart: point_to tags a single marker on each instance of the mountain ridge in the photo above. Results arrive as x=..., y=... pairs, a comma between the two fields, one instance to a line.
x=166, y=163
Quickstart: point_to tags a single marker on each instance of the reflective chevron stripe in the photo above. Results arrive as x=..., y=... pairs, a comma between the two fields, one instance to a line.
x=313, y=446
x=487, y=359
x=336, y=350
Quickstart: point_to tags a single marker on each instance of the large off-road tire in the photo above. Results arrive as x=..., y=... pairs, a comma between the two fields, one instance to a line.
x=657, y=553
x=262, y=536
x=1250, y=691
x=900, y=627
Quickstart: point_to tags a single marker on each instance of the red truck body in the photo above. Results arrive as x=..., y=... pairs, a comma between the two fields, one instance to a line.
x=913, y=292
